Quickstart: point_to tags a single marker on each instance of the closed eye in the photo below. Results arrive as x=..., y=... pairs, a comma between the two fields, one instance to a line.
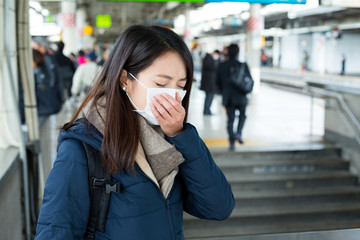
x=160, y=85
x=182, y=87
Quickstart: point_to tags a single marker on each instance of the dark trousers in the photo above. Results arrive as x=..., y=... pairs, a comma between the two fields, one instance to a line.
x=230, y=111
x=208, y=100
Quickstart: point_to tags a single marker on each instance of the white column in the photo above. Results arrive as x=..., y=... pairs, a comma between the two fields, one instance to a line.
x=80, y=24
x=276, y=51
x=84, y=41
x=254, y=27
x=68, y=16
x=187, y=33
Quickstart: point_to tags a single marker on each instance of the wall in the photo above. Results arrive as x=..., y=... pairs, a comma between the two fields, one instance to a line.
x=11, y=212
x=337, y=132
x=325, y=54
x=11, y=190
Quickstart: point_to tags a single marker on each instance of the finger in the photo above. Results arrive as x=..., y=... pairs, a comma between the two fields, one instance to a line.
x=177, y=97
x=166, y=104
x=159, y=107
x=156, y=113
x=175, y=103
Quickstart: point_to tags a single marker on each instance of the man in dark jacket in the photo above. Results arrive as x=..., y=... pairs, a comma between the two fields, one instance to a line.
x=66, y=67
x=208, y=78
x=233, y=99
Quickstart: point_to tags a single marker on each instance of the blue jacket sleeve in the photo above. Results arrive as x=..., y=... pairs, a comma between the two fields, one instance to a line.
x=65, y=209
x=207, y=192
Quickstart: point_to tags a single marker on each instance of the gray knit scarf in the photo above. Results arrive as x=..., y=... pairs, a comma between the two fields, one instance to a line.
x=163, y=158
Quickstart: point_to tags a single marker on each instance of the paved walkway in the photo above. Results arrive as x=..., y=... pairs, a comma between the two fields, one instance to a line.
x=274, y=117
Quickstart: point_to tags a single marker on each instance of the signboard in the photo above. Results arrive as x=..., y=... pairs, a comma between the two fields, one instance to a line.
x=262, y=1
x=103, y=21
x=169, y=23
x=341, y=3
x=151, y=0
x=209, y=1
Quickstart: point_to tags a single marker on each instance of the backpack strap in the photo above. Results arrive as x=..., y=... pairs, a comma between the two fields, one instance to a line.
x=101, y=186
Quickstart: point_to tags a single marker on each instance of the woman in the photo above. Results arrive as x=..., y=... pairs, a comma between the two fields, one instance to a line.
x=159, y=160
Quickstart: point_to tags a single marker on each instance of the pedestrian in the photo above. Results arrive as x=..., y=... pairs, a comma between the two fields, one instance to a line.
x=208, y=79
x=232, y=98
x=81, y=57
x=66, y=67
x=343, y=62
x=85, y=74
x=48, y=79
x=161, y=163
x=304, y=62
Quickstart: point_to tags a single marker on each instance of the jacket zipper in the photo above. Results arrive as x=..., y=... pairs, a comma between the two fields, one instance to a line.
x=166, y=200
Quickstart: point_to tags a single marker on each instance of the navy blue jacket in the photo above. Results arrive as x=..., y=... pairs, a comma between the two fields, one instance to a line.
x=139, y=211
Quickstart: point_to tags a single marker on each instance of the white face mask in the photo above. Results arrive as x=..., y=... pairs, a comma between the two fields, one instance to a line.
x=150, y=93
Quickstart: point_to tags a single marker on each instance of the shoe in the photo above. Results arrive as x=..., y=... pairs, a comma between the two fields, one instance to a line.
x=239, y=138
x=232, y=146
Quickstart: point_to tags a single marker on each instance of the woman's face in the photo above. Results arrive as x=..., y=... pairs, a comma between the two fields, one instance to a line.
x=167, y=71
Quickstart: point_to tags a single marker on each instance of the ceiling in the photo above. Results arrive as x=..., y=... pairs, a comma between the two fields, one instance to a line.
x=123, y=14
x=129, y=13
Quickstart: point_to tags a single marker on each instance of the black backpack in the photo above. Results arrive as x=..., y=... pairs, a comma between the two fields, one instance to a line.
x=241, y=78
x=101, y=186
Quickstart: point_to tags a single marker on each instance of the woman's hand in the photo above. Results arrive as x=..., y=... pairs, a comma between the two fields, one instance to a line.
x=169, y=112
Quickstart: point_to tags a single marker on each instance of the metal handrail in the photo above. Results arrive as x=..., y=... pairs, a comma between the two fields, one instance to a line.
x=344, y=111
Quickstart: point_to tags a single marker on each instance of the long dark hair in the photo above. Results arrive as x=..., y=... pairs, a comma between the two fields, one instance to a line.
x=135, y=49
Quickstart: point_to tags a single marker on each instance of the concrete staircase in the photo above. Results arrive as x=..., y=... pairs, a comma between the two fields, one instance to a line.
x=278, y=191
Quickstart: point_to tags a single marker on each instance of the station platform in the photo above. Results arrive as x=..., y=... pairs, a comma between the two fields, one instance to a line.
x=275, y=118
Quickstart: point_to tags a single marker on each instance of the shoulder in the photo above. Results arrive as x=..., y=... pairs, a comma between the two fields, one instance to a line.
x=72, y=152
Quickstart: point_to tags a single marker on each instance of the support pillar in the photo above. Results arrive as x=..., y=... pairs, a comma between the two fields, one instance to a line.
x=187, y=33
x=255, y=25
x=68, y=10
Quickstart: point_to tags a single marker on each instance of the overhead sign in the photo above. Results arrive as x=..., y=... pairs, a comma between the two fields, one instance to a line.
x=161, y=22
x=341, y=3
x=262, y=1
x=209, y=1
x=103, y=21
x=151, y=0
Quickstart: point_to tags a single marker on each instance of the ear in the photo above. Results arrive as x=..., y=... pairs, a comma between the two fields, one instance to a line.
x=124, y=81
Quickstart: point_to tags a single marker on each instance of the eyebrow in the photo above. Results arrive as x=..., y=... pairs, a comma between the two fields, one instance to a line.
x=168, y=77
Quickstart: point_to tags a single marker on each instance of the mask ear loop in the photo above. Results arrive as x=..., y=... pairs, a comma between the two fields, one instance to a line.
x=137, y=109
x=137, y=80
x=132, y=101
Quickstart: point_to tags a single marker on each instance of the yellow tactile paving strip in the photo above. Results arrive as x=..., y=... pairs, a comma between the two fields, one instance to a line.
x=255, y=142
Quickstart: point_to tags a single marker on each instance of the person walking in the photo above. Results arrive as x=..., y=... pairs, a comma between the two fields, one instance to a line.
x=232, y=98
x=85, y=74
x=343, y=63
x=49, y=81
x=135, y=115
x=66, y=68
x=208, y=79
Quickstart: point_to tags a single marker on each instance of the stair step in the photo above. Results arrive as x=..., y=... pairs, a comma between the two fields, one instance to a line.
x=291, y=180
x=299, y=196
x=348, y=234
x=273, y=211
x=258, y=226
x=262, y=153
x=281, y=190
x=283, y=166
